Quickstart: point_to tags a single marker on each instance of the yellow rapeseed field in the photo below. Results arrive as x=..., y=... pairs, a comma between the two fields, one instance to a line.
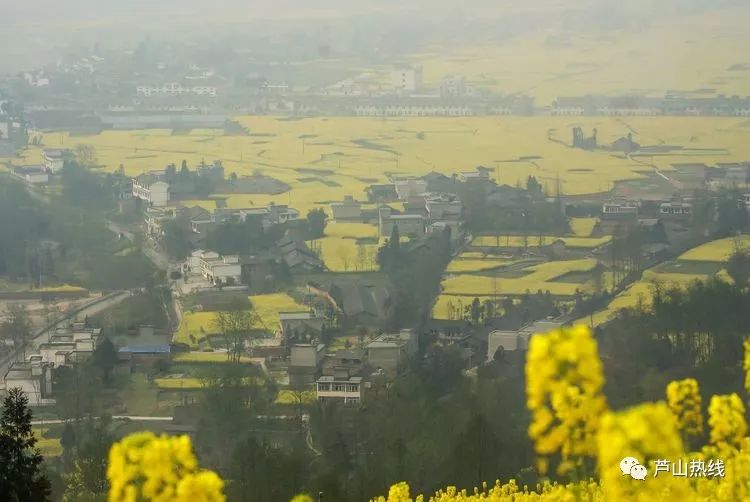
x=268, y=306
x=539, y=277
x=718, y=250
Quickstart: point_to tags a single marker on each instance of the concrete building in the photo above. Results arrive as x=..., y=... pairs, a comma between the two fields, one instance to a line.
x=407, y=78
x=300, y=324
x=408, y=224
x=410, y=187
x=512, y=341
x=304, y=363
x=32, y=175
x=349, y=209
x=219, y=270
x=676, y=209
x=54, y=159
x=34, y=378
x=345, y=389
x=175, y=89
x=619, y=210
x=152, y=190
x=390, y=352
x=70, y=345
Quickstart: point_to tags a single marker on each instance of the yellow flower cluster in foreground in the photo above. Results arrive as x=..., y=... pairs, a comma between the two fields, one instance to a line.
x=684, y=400
x=564, y=381
x=564, y=372
x=146, y=467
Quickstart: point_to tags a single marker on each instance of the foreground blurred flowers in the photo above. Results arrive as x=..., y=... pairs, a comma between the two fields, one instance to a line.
x=564, y=375
x=564, y=381
x=146, y=467
x=569, y=419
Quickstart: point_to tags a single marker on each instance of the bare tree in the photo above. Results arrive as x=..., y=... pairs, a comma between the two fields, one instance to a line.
x=85, y=155
x=236, y=325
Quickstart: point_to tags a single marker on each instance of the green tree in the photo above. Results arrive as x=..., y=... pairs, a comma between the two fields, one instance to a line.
x=738, y=268
x=317, y=220
x=105, y=358
x=17, y=325
x=21, y=477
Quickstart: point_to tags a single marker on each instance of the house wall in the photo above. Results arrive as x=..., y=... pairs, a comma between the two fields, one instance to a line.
x=387, y=358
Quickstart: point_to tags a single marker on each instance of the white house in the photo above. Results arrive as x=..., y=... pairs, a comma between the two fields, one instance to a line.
x=155, y=192
x=175, y=89
x=34, y=378
x=410, y=187
x=675, y=208
x=347, y=390
x=616, y=210
x=54, y=158
x=218, y=269
x=407, y=78
x=33, y=175
x=518, y=340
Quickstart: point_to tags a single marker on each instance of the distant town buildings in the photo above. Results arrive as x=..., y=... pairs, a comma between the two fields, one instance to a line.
x=407, y=78
x=175, y=89
x=640, y=106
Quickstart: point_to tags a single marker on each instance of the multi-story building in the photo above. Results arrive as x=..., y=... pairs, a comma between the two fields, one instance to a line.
x=345, y=389
x=151, y=189
x=390, y=352
x=410, y=187
x=408, y=224
x=511, y=341
x=34, y=378
x=32, y=175
x=175, y=89
x=407, y=78
x=619, y=210
x=54, y=159
x=219, y=270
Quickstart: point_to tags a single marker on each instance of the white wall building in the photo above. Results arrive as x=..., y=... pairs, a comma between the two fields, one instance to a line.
x=33, y=175
x=153, y=191
x=218, y=269
x=54, y=159
x=175, y=89
x=410, y=187
x=347, y=390
x=34, y=378
x=408, y=224
x=407, y=78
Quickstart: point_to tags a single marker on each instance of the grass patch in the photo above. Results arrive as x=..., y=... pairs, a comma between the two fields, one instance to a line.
x=717, y=251
x=535, y=277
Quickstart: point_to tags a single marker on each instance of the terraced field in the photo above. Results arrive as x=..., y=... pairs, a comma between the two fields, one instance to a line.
x=199, y=324
x=697, y=264
x=519, y=280
x=534, y=241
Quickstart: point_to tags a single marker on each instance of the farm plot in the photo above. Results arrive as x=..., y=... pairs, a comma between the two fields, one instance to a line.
x=520, y=281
